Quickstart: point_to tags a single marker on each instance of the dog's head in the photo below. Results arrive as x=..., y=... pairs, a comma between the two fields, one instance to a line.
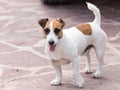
x=52, y=31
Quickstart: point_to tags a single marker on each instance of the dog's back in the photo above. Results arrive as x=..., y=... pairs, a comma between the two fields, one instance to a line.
x=86, y=34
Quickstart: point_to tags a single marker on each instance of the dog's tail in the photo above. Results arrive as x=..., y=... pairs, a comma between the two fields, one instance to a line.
x=96, y=12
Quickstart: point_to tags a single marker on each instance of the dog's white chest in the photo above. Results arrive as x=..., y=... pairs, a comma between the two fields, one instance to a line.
x=62, y=61
x=59, y=59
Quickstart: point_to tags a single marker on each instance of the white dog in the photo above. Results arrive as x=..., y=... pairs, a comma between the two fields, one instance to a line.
x=65, y=45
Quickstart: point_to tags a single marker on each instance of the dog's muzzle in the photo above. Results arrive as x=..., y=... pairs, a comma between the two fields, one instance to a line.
x=51, y=42
x=52, y=46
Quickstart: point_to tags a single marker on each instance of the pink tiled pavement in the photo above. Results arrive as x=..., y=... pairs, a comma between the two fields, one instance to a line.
x=22, y=58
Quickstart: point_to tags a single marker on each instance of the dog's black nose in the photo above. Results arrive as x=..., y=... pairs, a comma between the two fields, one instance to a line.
x=51, y=42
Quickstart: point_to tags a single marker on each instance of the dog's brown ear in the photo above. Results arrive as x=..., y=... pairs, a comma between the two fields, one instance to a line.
x=61, y=21
x=42, y=22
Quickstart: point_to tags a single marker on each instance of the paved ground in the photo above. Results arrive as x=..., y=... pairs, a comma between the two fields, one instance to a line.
x=22, y=58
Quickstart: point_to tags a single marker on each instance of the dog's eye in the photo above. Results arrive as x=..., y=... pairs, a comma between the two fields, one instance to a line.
x=47, y=30
x=56, y=30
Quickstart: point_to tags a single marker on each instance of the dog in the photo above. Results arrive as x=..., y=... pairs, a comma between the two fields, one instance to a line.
x=63, y=46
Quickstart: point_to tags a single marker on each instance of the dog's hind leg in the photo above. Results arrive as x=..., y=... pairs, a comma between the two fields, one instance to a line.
x=88, y=69
x=100, y=53
x=58, y=71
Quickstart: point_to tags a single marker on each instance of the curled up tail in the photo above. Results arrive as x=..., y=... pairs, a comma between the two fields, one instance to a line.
x=96, y=12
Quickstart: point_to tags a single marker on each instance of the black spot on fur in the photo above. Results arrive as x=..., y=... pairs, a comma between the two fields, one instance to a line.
x=46, y=31
x=42, y=22
x=88, y=48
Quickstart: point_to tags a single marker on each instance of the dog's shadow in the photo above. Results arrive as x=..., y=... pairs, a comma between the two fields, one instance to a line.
x=67, y=86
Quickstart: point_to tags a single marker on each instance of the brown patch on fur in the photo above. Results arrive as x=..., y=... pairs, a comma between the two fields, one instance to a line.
x=58, y=25
x=42, y=22
x=46, y=26
x=60, y=34
x=85, y=28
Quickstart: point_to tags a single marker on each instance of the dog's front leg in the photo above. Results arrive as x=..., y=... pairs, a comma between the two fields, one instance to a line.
x=58, y=71
x=78, y=78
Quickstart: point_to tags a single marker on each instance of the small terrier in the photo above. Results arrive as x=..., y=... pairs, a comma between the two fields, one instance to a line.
x=64, y=46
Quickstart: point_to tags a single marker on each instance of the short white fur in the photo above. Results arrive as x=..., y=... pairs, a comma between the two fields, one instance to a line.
x=72, y=44
x=51, y=35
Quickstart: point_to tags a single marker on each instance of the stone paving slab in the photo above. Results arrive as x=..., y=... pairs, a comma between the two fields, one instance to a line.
x=23, y=64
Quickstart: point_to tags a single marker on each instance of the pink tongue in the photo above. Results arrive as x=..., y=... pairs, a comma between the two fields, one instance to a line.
x=52, y=48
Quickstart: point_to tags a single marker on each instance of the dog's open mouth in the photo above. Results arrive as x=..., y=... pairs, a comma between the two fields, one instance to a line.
x=52, y=48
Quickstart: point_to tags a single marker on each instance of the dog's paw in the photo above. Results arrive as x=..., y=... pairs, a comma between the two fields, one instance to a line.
x=79, y=84
x=55, y=82
x=88, y=71
x=96, y=75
